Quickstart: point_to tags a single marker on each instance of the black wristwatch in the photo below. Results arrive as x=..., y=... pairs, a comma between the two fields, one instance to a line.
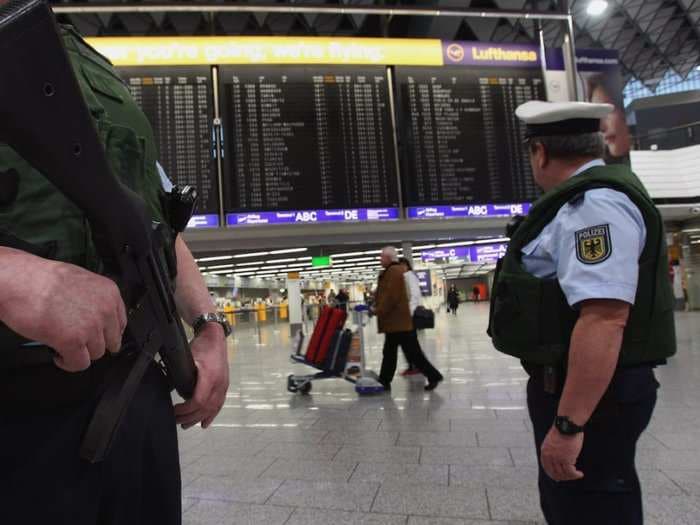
x=211, y=317
x=564, y=425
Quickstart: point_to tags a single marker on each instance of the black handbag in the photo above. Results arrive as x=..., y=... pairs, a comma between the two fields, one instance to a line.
x=423, y=318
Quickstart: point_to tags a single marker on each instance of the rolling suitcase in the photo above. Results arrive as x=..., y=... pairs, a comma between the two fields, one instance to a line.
x=335, y=322
x=338, y=357
x=317, y=334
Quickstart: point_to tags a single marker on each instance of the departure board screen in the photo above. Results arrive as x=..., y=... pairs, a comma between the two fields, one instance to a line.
x=178, y=102
x=461, y=140
x=308, y=138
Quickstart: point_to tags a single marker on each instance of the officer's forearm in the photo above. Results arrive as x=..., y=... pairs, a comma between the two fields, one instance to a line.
x=593, y=356
x=191, y=294
x=20, y=273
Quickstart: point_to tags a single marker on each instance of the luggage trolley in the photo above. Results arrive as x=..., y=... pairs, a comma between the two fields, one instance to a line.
x=328, y=350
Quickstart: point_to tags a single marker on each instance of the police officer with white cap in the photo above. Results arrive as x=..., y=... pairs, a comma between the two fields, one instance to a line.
x=582, y=298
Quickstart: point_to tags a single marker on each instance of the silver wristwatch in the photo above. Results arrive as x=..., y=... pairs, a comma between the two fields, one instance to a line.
x=211, y=317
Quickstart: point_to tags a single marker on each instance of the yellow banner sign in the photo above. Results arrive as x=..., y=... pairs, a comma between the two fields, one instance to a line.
x=181, y=51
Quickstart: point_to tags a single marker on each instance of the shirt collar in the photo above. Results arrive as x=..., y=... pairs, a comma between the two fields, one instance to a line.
x=588, y=165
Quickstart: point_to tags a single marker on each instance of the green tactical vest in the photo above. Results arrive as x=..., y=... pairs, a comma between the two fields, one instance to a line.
x=530, y=317
x=33, y=210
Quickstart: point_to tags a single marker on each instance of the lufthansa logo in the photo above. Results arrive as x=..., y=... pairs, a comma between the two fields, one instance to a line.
x=455, y=52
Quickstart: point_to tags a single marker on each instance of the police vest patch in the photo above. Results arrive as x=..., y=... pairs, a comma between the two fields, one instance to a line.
x=593, y=244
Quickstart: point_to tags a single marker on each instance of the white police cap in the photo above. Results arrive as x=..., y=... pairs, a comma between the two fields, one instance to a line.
x=561, y=118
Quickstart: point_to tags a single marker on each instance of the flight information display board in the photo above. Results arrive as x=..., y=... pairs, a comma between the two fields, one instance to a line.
x=307, y=144
x=462, y=143
x=178, y=101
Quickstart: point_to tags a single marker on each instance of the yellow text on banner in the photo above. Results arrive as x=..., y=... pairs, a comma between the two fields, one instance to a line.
x=181, y=51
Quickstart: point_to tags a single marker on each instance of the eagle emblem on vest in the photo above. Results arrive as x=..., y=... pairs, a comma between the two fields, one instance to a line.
x=593, y=244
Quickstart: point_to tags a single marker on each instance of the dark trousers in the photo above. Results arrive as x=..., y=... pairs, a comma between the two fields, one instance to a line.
x=43, y=480
x=609, y=493
x=414, y=354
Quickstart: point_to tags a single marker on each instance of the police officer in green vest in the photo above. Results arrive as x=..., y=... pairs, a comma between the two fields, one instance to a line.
x=582, y=298
x=51, y=295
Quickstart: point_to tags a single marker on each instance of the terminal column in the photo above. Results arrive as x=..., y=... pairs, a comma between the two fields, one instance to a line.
x=294, y=299
x=407, y=248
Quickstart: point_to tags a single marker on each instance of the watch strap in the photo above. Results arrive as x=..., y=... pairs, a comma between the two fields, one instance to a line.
x=567, y=427
x=211, y=317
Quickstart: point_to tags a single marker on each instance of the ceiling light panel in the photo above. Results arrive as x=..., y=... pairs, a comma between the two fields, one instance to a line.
x=273, y=261
x=217, y=267
x=289, y=250
x=362, y=259
x=217, y=258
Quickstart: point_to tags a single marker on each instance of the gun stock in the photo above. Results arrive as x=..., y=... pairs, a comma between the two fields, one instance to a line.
x=44, y=118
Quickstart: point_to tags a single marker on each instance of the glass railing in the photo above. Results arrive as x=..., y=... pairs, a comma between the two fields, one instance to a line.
x=669, y=138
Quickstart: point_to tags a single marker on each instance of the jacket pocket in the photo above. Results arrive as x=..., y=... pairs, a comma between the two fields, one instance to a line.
x=516, y=309
x=126, y=156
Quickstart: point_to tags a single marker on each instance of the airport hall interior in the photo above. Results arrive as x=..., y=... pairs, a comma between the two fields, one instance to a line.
x=506, y=190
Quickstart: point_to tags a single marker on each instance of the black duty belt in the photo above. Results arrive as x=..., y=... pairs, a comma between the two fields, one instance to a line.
x=629, y=383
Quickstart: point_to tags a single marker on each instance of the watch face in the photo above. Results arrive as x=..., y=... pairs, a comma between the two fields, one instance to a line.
x=565, y=426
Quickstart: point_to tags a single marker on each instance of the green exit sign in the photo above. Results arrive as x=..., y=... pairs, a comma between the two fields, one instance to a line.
x=321, y=261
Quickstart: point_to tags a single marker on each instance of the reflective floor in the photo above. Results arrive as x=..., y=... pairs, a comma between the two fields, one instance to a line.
x=461, y=455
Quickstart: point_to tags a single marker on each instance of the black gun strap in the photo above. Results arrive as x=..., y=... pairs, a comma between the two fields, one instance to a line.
x=122, y=383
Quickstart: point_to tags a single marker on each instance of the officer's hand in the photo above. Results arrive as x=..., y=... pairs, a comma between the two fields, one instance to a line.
x=77, y=313
x=209, y=352
x=559, y=454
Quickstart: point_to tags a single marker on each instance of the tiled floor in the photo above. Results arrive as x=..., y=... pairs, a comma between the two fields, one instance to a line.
x=461, y=455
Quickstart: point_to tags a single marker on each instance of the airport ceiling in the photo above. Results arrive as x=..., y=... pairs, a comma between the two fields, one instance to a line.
x=350, y=262
x=652, y=36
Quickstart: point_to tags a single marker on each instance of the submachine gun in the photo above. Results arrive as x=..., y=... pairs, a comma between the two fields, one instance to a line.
x=44, y=118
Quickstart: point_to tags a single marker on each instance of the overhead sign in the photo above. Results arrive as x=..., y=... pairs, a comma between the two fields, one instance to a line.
x=321, y=261
x=472, y=210
x=312, y=216
x=488, y=54
x=479, y=254
x=204, y=221
x=181, y=51
x=594, y=60
x=425, y=282
x=447, y=254
x=488, y=253
x=167, y=51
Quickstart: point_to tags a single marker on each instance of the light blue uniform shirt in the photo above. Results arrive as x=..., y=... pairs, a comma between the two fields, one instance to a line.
x=555, y=252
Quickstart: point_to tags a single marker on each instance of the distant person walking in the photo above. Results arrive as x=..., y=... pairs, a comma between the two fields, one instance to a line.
x=476, y=292
x=342, y=299
x=394, y=319
x=453, y=299
x=415, y=299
